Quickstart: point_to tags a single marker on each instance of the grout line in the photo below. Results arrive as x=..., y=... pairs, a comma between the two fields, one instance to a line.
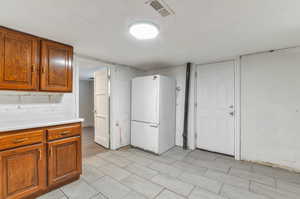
x=276, y=183
x=159, y=192
x=230, y=168
x=250, y=183
x=63, y=192
x=191, y=191
x=220, y=191
x=134, y=154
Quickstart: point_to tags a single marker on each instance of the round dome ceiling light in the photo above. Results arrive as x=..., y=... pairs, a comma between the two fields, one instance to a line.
x=144, y=31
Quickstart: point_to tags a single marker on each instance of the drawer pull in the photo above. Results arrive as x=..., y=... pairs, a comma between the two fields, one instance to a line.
x=65, y=133
x=17, y=141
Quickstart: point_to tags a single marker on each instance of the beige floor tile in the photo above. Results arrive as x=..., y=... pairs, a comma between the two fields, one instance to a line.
x=142, y=186
x=173, y=184
x=141, y=171
x=228, y=179
x=199, y=193
x=233, y=192
x=166, y=194
x=115, y=172
x=165, y=169
x=201, y=181
x=56, y=194
x=111, y=188
x=79, y=189
x=272, y=192
x=253, y=176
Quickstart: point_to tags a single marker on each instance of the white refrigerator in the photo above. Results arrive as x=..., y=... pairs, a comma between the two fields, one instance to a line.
x=153, y=113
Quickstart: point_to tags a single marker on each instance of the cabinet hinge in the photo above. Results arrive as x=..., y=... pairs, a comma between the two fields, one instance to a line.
x=32, y=68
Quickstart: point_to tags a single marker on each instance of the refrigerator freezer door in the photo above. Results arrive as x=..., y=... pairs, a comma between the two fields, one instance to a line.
x=145, y=136
x=145, y=99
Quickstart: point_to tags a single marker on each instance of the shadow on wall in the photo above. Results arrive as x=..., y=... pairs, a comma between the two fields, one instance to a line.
x=32, y=106
x=25, y=98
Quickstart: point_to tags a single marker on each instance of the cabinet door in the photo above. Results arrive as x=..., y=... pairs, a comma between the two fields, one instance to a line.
x=64, y=160
x=19, y=60
x=22, y=171
x=56, y=68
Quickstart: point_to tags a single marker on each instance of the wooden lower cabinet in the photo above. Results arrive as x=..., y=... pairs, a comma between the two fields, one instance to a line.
x=31, y=164
x=64, y=160
x=22, y=171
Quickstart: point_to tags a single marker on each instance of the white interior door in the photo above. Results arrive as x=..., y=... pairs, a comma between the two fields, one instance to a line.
x=101, y=107
x=215, y=107
x=145, y=95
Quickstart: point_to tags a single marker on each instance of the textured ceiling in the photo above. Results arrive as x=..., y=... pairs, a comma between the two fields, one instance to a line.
x=200, y=31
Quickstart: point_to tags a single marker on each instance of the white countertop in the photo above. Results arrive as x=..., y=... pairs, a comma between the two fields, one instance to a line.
x=20, y=125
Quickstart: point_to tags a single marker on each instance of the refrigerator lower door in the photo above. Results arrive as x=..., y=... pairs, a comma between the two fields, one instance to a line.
x=145, y=136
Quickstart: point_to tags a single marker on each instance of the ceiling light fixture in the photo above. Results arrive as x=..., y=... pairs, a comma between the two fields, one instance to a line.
x=144, y=31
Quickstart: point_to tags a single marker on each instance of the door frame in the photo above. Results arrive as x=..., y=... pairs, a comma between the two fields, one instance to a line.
x=76, y=66
x=237, y=102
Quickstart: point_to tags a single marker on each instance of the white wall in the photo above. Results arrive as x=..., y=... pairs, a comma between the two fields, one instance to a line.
x=120, y=104
x=179, y=74
x=271, y=108
x=36, y=106
x=86, y=102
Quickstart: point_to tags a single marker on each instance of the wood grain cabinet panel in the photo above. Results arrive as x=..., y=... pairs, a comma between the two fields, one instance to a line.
x=64, y=160
x=31, y=165
x=8, y=141
x=22, y=171
x=19, y=60
x=56, y=67
x=63, y=132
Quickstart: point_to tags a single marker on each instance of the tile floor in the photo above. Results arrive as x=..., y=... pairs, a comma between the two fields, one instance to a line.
x=177, y=174
x=89, y=147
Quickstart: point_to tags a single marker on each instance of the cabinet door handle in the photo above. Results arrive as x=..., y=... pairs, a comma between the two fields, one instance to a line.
x=32, y=69
x=17, y=141
x=65, y=133
x=43, y=69
x=40, y=154
x=50, y=152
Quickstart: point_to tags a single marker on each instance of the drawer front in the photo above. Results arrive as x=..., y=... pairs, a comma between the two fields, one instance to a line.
x=16, y=139
x=63, y=132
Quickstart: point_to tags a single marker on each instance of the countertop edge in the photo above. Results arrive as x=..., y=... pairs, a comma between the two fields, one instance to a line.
x=35, y=124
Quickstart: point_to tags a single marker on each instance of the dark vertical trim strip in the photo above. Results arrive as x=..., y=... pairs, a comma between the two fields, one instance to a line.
x=186, y=106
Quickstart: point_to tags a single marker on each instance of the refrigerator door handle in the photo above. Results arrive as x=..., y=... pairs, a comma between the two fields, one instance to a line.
x=154, y=126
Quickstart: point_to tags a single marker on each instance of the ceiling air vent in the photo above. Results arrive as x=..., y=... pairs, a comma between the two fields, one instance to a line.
x=156, y=5
x=161, y=7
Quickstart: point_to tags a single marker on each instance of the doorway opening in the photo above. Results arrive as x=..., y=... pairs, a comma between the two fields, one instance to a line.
x=88, y=107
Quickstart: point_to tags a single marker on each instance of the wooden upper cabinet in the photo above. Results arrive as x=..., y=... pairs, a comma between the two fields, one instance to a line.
x=56, y=67
x=22, y=172
x=19, y=60
x=31, y=63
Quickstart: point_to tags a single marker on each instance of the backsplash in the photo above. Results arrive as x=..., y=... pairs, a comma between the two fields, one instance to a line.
x=31, y=106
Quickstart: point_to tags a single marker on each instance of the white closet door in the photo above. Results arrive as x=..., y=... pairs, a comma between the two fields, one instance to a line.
x=145, y=99
x=101, y=108
x=215, y=107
